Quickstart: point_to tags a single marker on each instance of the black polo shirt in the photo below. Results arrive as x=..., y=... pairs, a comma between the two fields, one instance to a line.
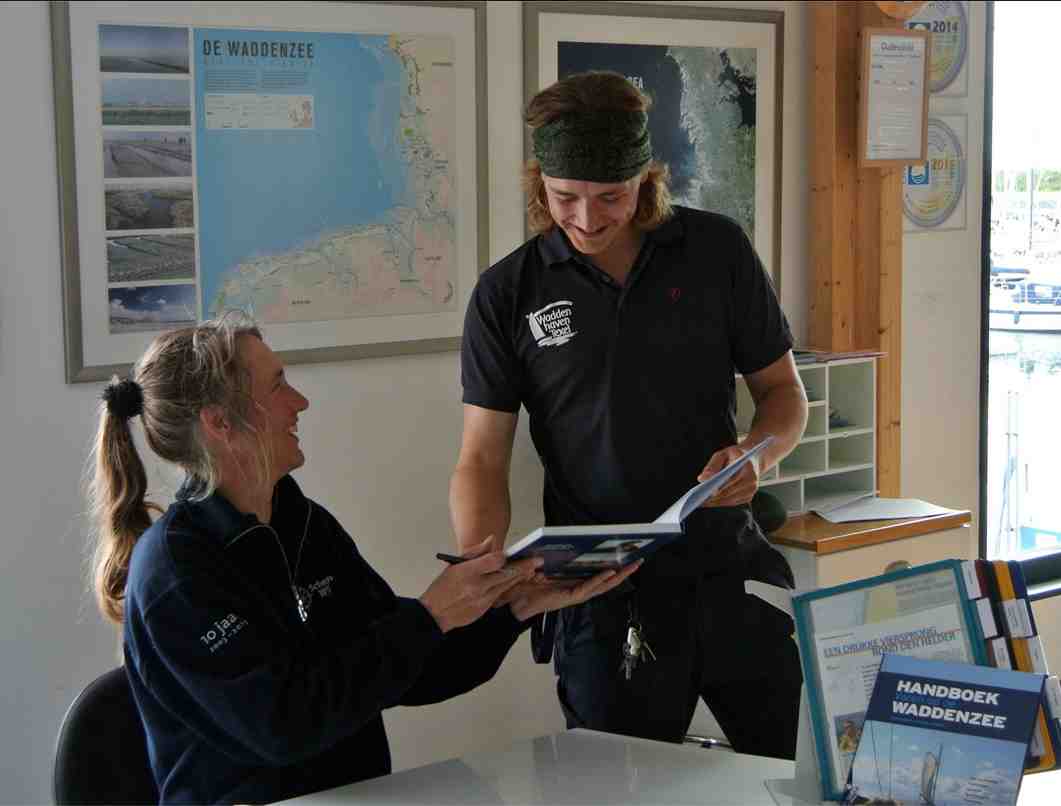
x=630, y=389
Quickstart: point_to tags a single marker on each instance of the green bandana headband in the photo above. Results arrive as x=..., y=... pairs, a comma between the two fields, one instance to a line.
x=604, y=147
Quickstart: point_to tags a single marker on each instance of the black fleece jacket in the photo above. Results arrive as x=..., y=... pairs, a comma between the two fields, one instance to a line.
x=242, y=700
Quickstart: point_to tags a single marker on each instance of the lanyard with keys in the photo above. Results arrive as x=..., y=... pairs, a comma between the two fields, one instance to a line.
x=636, y=649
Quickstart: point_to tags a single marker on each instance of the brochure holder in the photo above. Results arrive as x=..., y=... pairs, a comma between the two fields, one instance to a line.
x=805, y=788
x=986, y=606
x=812, y=780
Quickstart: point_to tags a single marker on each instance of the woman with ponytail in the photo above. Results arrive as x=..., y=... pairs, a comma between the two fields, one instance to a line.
x=260, y=646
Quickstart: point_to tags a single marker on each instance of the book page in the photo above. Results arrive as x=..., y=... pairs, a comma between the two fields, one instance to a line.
x=680, y=509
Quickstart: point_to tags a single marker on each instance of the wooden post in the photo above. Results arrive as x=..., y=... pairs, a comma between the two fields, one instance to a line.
x=856, y=224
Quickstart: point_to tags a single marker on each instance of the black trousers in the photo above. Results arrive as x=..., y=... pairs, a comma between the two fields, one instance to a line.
x=711, y=640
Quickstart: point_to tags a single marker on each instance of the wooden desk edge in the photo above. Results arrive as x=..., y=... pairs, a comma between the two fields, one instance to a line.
x=813, y=533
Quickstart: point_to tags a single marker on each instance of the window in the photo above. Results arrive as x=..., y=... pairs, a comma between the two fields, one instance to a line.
x=1021, y=341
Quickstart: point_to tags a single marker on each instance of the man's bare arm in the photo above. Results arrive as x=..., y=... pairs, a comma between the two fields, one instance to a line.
x=479, y=502
x=781, y=412
x=780, y=409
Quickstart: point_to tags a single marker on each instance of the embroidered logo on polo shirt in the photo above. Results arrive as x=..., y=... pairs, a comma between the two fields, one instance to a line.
x=551, y=326
x=222, y=631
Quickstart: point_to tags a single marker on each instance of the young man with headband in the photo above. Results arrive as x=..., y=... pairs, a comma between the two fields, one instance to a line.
x=620, y=327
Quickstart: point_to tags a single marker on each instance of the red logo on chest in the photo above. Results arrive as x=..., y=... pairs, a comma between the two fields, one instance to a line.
x=675, y=294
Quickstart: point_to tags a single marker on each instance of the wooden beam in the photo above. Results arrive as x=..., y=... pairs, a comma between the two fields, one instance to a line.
x=823, y=173
x=845, y=252
x=881, y=264
x=833, y=179
x=856, y=224
x=890, y=339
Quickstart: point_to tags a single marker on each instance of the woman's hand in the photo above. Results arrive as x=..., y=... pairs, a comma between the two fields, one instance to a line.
x=463, y=592
x=540, y=595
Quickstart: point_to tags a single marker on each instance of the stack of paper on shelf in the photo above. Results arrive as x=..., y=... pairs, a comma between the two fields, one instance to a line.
x=866, y=507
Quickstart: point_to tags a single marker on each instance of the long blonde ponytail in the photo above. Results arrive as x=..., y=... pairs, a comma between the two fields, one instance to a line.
x=119, y=509
x=180, y=373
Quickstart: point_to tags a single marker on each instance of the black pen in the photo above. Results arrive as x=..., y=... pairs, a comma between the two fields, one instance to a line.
x=452, y=559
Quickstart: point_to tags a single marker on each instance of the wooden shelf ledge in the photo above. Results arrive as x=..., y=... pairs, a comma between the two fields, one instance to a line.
x=813, y=533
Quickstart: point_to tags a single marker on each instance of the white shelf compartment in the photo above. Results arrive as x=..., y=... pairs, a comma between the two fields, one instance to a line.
x=814, y=377
x=789, y=493
x=817, y=422
x=826, y=461
x=849, y=452
x=808, y=457
x=852, y=393
x=853, y=481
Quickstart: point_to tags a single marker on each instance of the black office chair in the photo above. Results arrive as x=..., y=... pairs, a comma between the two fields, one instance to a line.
x=101, y=753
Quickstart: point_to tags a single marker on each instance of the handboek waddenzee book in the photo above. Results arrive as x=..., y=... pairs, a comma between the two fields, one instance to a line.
x=944, y=733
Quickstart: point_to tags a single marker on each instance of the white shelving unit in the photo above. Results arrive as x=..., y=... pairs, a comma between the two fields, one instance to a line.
x=838, y=451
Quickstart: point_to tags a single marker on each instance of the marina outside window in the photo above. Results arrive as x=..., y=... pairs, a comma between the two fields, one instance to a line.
x=1021, y=339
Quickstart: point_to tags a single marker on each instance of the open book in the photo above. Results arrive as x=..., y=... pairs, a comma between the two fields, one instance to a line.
x=572, y=552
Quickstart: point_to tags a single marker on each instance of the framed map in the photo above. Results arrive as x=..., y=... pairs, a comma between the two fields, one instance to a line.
x=320, y=166
x=714, y=76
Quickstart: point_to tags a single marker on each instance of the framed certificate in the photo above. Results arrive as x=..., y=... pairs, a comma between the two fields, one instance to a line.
x=844, y=631
x=893, y=102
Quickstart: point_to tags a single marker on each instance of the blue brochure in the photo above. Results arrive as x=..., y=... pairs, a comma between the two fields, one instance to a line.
x=942, y=733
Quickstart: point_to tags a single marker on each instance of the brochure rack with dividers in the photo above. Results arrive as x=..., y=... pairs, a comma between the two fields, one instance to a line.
x=838, y=451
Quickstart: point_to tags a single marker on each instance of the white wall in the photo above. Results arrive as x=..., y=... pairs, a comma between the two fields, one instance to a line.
x=381, y=434
x=941, y=329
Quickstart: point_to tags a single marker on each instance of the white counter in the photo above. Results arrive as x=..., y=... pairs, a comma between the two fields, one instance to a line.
x=577, y=766
x=587, y=767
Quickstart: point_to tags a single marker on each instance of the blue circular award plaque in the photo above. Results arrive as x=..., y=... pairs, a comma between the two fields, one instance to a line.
x=948, y=24
x=931, y=192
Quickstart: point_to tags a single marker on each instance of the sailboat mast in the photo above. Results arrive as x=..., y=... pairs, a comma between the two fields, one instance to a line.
x=939, y=771
x=891, y=769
